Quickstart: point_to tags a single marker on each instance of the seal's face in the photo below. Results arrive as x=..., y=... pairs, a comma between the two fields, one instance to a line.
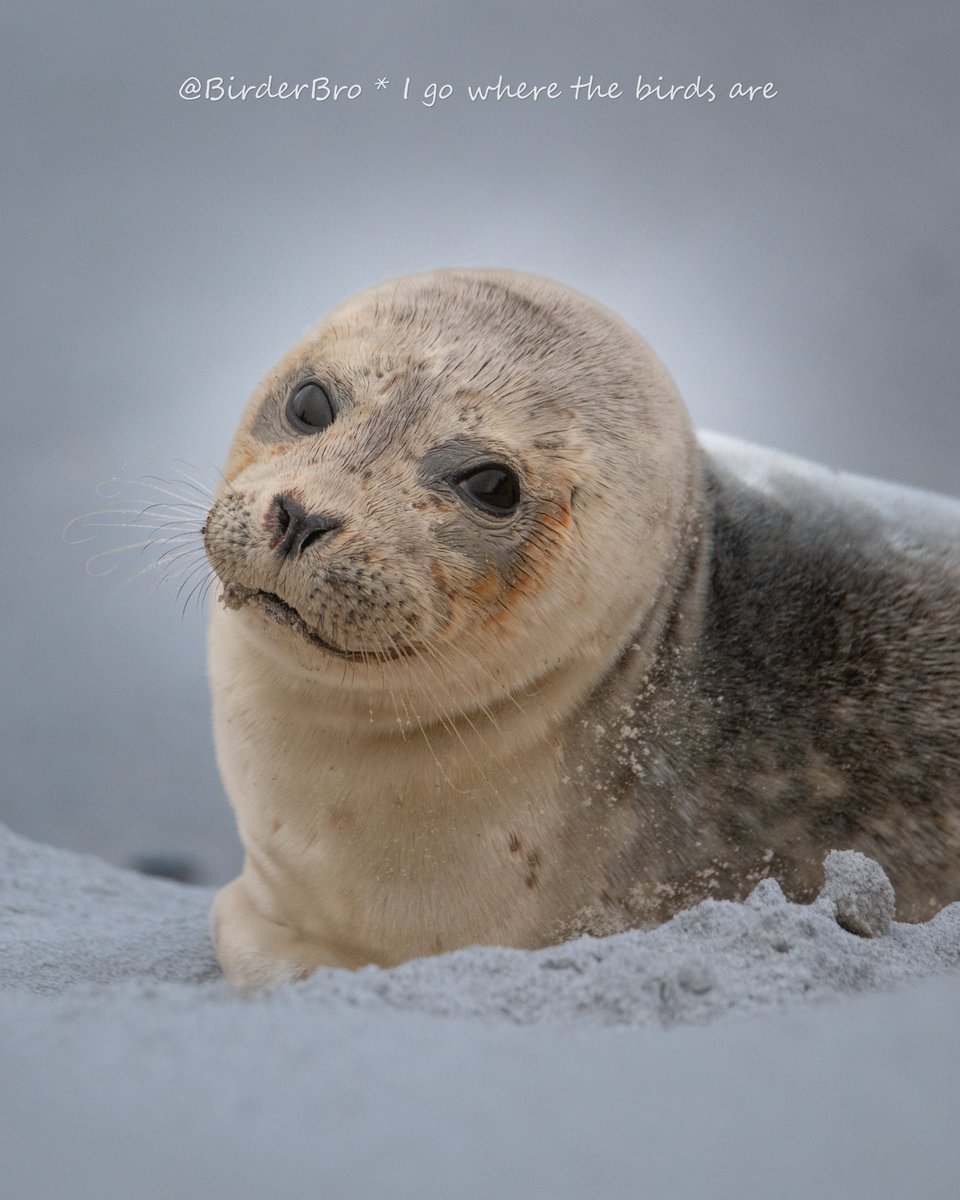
x=411, y=491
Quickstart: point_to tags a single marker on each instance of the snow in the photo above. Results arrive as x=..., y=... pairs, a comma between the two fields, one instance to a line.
x=863, y=897
x=741, y=1050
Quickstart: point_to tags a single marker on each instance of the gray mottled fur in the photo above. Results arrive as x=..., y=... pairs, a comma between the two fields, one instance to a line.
x=816, y=706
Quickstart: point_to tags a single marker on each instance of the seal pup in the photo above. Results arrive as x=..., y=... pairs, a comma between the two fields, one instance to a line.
x=503, y=655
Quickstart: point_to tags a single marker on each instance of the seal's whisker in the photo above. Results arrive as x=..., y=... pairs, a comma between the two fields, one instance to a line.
x=109, y=554
x=192, y=515
x=205, y=592
x=197, y=484
x=401, y=723
x=176, y=549
x=185, y=527
x=193, y=591
x=431, y=656
x=187, y=573
x=408, y=723
x=176, y=540
x=170, y=571
x=450, y=724
x=170, y=513
x=445, y=720
x=191, y=498
x=177, y=502
x=446, y=662
x=206, y=583
x=149, y=484
x=199, y=584
x=475, y=637
x=85, y=521
x=179, y=573
x=433, y=754
x=157, y=565
x=386, y=687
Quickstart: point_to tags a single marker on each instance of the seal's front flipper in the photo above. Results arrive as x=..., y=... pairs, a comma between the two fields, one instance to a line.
x=255, y=952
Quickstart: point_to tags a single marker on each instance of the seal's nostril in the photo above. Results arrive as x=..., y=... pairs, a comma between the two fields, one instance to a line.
x=277, y=520
x=314, y=528
x=291, y=529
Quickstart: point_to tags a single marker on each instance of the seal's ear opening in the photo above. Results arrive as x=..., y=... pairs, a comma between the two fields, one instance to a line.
x=574, y=492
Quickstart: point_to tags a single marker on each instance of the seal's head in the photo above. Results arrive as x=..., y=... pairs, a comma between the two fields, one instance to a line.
x=454, y=485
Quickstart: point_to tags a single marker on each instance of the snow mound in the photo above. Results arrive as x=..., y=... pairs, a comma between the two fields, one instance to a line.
x=130, y=1068
x=67, y=920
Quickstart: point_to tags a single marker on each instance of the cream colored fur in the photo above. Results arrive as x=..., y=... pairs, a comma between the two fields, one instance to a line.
x=403, y=806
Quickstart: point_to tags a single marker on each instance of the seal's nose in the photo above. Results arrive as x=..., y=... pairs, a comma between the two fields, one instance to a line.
x=292, y=529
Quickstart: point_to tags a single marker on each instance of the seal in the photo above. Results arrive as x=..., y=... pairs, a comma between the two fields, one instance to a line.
x=505, y=654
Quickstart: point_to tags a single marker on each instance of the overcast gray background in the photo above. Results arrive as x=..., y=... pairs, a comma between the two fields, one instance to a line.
x=794, y=261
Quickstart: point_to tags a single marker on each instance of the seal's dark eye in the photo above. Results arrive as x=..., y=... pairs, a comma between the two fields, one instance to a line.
x=309, y=408
x=491, y=487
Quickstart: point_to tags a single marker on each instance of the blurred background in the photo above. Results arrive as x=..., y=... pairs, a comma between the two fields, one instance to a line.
x=795, y=261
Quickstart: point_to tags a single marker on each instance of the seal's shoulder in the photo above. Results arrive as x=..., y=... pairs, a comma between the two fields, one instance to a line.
x=758, y=478
x=807, y=562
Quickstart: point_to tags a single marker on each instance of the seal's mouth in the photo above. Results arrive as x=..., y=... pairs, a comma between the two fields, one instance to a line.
x=235, y=596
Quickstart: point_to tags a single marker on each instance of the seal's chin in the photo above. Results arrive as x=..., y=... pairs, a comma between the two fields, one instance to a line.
x=277, y=609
